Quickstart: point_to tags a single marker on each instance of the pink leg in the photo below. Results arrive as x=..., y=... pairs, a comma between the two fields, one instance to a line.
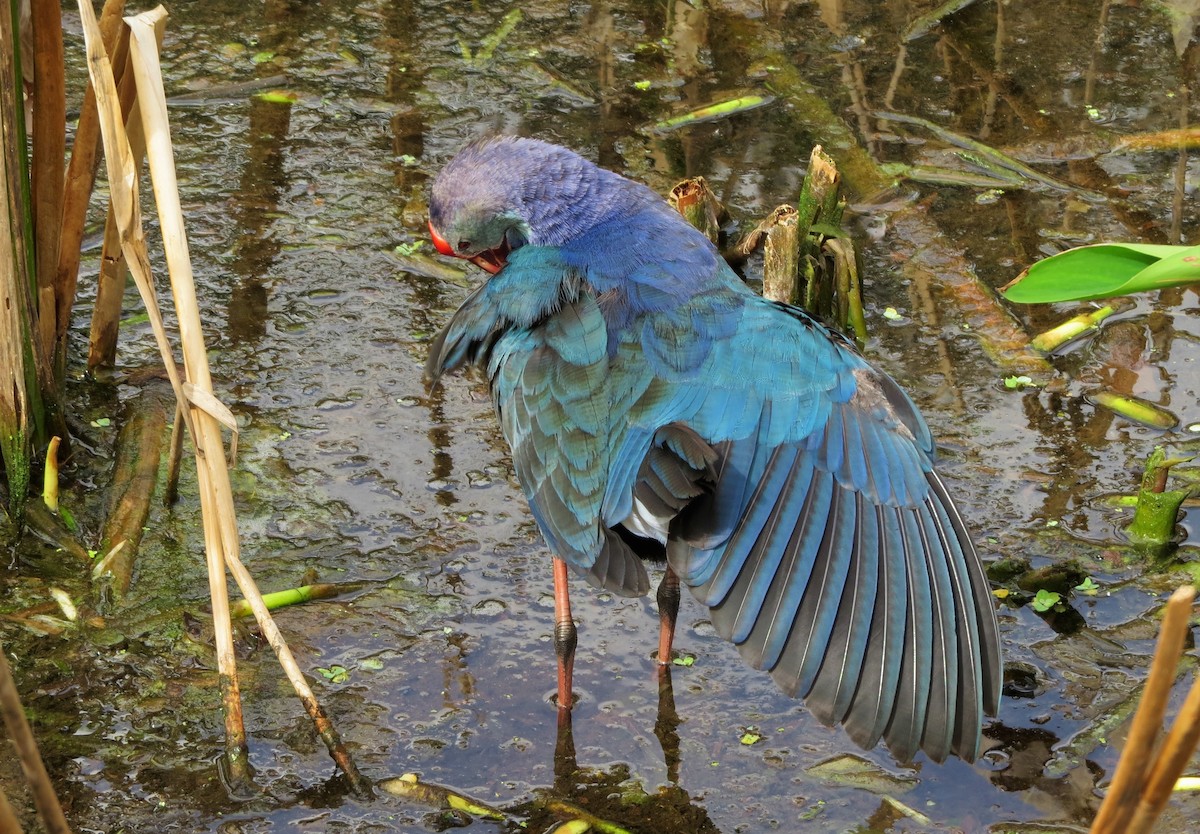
x=565, y=636
x=668, y=610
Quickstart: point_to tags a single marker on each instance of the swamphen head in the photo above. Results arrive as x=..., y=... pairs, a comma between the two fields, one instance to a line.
x=501, y=193
x=655, y=405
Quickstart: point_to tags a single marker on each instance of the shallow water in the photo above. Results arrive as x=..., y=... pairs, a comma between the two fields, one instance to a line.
x=351, y=470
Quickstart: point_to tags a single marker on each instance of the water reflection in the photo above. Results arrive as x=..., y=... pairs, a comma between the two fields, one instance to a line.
x=606, y=792
x=405, y=86
x=255, y=206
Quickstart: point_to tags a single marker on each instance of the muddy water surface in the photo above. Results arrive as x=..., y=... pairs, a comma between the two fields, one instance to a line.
x=352, y=472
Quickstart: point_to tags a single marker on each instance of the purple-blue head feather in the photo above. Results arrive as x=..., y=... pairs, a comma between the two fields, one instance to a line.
x=542, y=194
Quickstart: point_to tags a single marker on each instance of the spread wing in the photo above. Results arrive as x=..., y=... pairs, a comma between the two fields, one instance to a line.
x=827, y=548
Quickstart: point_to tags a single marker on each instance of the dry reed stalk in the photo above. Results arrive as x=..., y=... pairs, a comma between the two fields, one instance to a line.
x=203, y=414
x=8, y=817
x=1176, y=751
x=110, y=285
x=1129, y=780
x=80, y=177
x=174, y=458
x=18, y=386
x=207, y=412
x=22, y=739
x=123, y=187
x=49, y=148
x=216, y=496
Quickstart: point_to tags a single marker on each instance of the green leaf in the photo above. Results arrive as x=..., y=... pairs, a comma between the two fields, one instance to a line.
x=278, y=96
x=1134, y=408
x=684, y=660
x=1087, y=586
x=1045, y=600
x=334, y=674
x=750, y=737
x=1180, y=268
x=1012, y=382
x=1105, y=270
x=711, y=112
x=68, y=519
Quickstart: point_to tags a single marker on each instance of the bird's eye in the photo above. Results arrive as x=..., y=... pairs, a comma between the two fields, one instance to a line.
x=464, y=245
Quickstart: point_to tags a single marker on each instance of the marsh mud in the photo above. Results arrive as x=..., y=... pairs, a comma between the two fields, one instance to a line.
x=438, y=659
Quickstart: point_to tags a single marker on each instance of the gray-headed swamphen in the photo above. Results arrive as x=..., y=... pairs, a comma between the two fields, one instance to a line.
x=656, y=406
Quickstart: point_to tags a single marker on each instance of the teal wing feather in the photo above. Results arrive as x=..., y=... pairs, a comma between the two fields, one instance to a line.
x=541, y=337
x=828, y=549
x=551, y=388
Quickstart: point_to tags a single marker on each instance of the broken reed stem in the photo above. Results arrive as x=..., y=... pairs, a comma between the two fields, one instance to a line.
x=1157, y=509
x=818, y=203
x=781, y=256
x=1051, y=340
x=216, y=500
x=294, y=596
x=1129, y=780
x=21, y=736
x=693, y=199
x=820, y=182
